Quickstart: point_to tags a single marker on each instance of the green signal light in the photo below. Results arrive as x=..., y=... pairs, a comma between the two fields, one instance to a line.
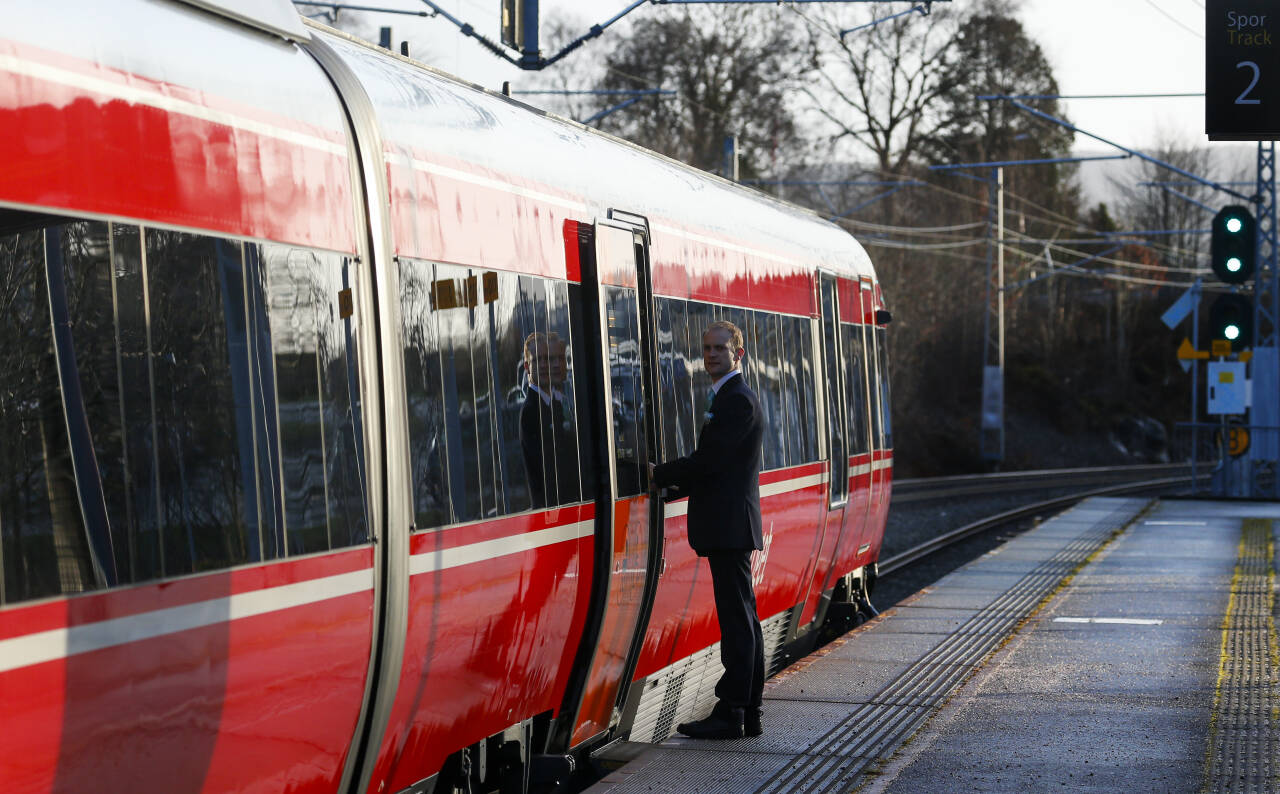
x=1233, y=244
x=1231, y=332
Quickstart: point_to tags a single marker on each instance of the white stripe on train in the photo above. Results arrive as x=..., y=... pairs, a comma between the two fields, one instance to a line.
x=61, y=643
x=48, y=646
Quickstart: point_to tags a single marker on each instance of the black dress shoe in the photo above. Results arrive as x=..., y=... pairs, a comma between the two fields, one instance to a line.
x=719, y=725
x=751, y=722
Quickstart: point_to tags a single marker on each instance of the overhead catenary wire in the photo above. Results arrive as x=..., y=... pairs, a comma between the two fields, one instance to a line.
x=946, y=240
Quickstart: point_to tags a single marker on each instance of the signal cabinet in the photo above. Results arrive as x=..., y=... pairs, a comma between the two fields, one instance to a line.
x=1228, y=388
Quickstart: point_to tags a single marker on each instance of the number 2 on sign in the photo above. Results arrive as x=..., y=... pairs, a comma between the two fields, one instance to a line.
x=1240, y=100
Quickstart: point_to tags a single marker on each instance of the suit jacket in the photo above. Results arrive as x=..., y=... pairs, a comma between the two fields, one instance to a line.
x=550, y=452
x=722, y=476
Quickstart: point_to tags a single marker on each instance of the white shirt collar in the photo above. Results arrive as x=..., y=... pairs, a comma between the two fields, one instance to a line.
x=546, y=398
x=715, y=387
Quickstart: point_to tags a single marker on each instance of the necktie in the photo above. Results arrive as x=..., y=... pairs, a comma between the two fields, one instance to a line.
x=711, y=396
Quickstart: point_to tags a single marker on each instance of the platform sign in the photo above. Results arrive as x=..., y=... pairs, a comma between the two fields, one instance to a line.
x=1237, y=441
x=1242, y=70
x=1237, y=438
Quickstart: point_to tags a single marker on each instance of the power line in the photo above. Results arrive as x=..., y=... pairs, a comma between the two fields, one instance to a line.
x=1175, y=20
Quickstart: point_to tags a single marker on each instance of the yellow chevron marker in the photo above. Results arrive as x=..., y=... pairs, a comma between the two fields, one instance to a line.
x=1186, y=352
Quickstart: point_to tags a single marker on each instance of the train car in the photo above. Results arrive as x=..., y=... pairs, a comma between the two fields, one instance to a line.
x=329, y=385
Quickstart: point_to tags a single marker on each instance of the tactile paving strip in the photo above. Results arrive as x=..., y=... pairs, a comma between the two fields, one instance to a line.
x=1244, y=740
x=876, y=729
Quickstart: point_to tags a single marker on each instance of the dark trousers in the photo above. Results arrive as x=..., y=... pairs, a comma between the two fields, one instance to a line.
x=741, y=643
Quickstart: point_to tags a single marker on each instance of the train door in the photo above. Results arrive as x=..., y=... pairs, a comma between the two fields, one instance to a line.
x=855, y=302
x=617, y=315
x=837, y=444
x=881, y=435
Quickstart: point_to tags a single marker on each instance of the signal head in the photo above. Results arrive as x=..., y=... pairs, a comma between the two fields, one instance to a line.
x=1232, y=248
x=1231, y=318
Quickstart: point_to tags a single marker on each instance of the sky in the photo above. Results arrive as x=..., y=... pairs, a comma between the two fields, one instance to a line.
x=1094, y=46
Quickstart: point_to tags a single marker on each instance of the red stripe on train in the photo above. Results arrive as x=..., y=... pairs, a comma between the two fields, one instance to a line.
x=149, y=164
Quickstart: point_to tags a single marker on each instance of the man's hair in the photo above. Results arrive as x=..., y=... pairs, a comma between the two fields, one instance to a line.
x=735, y=333
x=538, y=337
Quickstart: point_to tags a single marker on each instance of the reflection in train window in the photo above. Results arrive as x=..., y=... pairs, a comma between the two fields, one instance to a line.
x=675, y=378
x=701, y=315
x=856, y=389
x=315, y=384
x=778, y=367
x=802, y=333
x=175, y=406
x=882, y=377
x=489, y=379
x=833, y=365
x=768, y=359
x=626, y=388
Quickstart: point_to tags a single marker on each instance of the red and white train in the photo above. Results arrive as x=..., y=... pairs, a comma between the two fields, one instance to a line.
x=273, y=300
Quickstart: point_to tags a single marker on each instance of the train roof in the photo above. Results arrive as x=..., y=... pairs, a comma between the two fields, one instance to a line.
x=149, y=88
x=540, y=150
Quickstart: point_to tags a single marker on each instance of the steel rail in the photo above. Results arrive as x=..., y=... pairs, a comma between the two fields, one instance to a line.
x=917, y=553
x=928, y=488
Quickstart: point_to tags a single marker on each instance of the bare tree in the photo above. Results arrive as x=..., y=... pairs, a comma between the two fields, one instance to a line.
x=1171, y=203
x=731, y=68
x=880, y=87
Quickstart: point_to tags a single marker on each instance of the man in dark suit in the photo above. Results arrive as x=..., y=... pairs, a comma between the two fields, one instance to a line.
x=547, y=439
x=722, y=480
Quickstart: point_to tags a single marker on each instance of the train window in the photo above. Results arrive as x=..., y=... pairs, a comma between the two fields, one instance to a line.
x=489, y=381
x=701, y=315
x=518, y=334
x=173, y=407
x=626, y=387
x=468, y=393
x=789, y=362
x=424, y=391
x=856, y=389
x=769, y=387
x=548, y=415
x=315, y=381
x=675, y=377
x=803, y=419
x=837, y=451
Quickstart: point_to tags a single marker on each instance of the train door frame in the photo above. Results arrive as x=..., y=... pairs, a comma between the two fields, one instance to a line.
x=572, y=729
x=813, y=601
x=835, y=360
x=872, y=352
x=864, y=307
x=390, y=482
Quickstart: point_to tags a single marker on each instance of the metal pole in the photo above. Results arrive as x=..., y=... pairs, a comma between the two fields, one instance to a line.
x=1195, y=391
x=1000, y=289
x=991, y=429
x=1264, y=415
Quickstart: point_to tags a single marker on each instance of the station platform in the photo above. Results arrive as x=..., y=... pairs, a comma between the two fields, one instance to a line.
x=1126, y=645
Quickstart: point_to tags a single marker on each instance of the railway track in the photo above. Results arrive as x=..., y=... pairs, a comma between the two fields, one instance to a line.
x=938, y=524
x=1113, y=480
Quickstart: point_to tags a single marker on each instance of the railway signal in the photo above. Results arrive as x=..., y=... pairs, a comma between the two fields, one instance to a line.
x=1233, y=245
x=1231, y=320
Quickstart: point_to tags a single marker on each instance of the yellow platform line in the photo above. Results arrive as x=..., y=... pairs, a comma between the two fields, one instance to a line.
x=1244, y=726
